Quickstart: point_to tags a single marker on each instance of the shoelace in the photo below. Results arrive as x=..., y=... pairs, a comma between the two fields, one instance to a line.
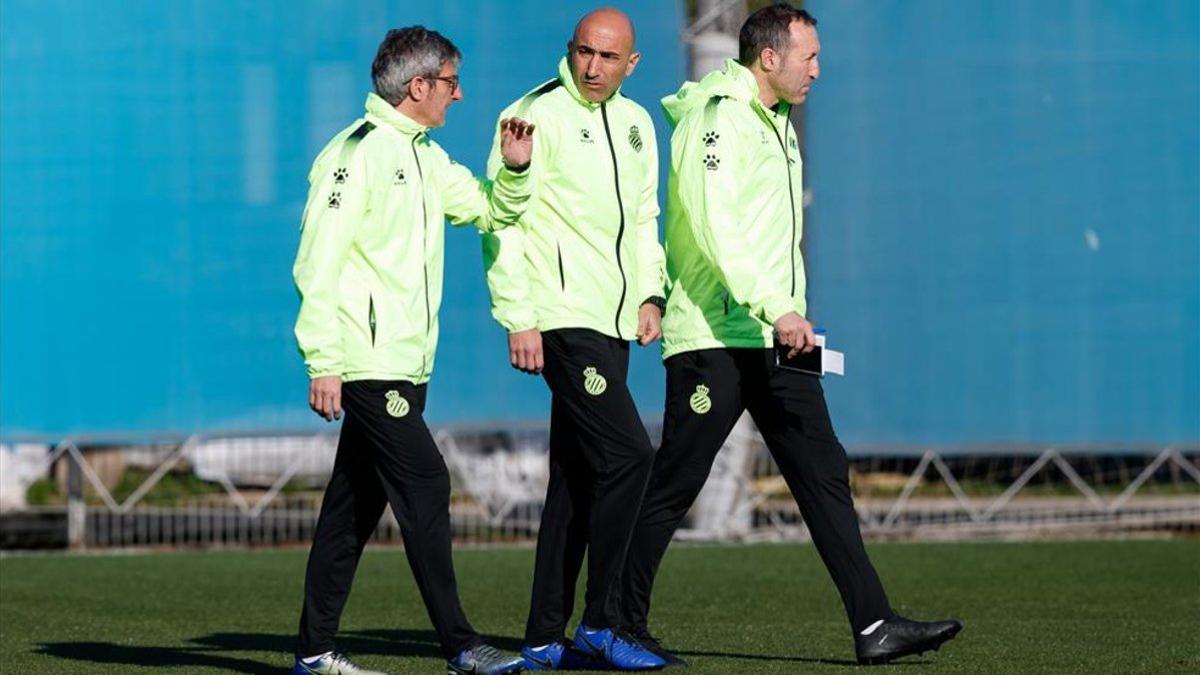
x=340, y=659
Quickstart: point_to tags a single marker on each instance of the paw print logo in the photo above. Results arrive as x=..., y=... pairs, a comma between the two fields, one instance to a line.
x=710, y=139
x=340, y=175
x=711, y=162
x=585, y=135
x=400, y=178
x=335, y=200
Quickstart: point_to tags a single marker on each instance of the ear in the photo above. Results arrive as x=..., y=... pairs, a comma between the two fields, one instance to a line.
x=633, y=61
x=769, y=59
x=418, y=89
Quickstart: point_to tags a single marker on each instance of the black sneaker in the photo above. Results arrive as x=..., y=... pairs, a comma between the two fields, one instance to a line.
x=652, y=645
x=897, y=636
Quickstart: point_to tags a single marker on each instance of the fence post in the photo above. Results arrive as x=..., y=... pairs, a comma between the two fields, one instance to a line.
x=76, y=505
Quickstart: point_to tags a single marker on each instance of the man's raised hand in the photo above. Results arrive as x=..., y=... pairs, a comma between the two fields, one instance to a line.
x=516, y=142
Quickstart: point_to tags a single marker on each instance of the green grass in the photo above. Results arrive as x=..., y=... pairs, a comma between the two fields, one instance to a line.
x=1130, y=606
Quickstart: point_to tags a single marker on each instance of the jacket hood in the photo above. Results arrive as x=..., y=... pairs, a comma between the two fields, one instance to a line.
x=733, y=81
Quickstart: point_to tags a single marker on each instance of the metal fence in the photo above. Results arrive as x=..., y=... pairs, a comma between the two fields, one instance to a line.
x=265, y=490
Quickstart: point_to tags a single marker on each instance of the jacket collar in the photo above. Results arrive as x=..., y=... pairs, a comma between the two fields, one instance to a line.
x=743, y=86
x=568, y=83
x=380, y=112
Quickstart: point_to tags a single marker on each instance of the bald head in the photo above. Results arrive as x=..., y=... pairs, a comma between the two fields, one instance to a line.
x=609, y=22
x=601, y=54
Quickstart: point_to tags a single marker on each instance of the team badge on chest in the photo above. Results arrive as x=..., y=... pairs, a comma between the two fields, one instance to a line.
x=635, y=138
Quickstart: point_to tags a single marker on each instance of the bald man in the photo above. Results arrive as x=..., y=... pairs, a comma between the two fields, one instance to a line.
x=578, y=278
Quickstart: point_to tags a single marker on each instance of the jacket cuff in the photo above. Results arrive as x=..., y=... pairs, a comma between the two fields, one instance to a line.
x=515, y=322
x=775, y=308
x=658, y=301
x=323, y=371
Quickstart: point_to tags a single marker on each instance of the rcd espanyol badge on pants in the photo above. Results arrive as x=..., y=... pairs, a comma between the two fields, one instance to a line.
x=700, y=401
x=396, y=406
x=593, y=382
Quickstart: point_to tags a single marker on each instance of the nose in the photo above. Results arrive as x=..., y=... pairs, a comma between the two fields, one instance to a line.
x=593, y=66
x=814, y=71
x=457, y=94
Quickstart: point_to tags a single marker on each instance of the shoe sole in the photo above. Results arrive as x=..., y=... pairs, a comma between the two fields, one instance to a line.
x=515, y=668
x=932, y=644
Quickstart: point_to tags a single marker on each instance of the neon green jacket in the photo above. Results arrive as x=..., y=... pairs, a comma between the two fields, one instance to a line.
x=586, y=252
x=734, y=215
x=369, y=269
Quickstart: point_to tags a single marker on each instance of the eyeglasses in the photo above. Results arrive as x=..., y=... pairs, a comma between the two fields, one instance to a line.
x=452, y=80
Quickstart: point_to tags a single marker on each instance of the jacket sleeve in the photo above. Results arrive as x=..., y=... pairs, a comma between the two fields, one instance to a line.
x=710, y=181
x=338, y=196
x=651, y=261
x=504, y=261
x=489, y=204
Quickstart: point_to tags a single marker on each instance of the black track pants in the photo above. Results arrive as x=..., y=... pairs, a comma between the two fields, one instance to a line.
x=600, y=460
x=385, y=455
x=707, y=391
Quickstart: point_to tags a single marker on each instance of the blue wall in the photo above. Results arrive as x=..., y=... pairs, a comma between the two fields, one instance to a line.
x=154, y=170
x=1004, y=234
x=1005, y=228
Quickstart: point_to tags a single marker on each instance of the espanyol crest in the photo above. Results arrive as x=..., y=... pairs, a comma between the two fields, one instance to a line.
x=635, y=138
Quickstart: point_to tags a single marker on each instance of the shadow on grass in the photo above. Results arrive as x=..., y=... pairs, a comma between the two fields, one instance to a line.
x=152, y=657
x=791, y=659
x=212, y=651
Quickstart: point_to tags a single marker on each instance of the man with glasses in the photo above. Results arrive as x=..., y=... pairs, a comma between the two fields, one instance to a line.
x=369, y=273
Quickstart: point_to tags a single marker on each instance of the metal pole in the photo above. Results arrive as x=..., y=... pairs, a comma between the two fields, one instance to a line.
x=76, y=505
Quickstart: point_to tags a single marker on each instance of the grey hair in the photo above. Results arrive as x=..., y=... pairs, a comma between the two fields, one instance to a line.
x=406, y=53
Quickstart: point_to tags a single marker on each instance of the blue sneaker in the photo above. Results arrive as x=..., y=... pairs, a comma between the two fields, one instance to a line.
x=546, y=657
x=331, y=663
x=484, y=660
x=618, y=652
x=560, y=655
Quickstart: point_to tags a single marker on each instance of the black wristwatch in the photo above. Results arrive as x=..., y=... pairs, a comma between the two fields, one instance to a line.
x=658, y=301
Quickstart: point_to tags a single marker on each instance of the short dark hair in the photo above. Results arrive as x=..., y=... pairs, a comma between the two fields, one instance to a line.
x=769, y=27
x=406, y=53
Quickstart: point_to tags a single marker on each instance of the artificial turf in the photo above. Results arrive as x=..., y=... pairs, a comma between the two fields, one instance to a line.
x=1099, y=606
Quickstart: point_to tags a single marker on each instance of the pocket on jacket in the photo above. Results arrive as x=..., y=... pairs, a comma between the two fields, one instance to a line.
x=562, y=277
x=371, y=316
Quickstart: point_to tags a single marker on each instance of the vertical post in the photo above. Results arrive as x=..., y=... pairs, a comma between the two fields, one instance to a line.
x=718, y=511
x=76, y=505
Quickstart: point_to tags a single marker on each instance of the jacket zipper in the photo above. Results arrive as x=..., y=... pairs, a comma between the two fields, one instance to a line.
x=562, y=278
x=787, y=163
x=424, y=251
x=621, y=208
